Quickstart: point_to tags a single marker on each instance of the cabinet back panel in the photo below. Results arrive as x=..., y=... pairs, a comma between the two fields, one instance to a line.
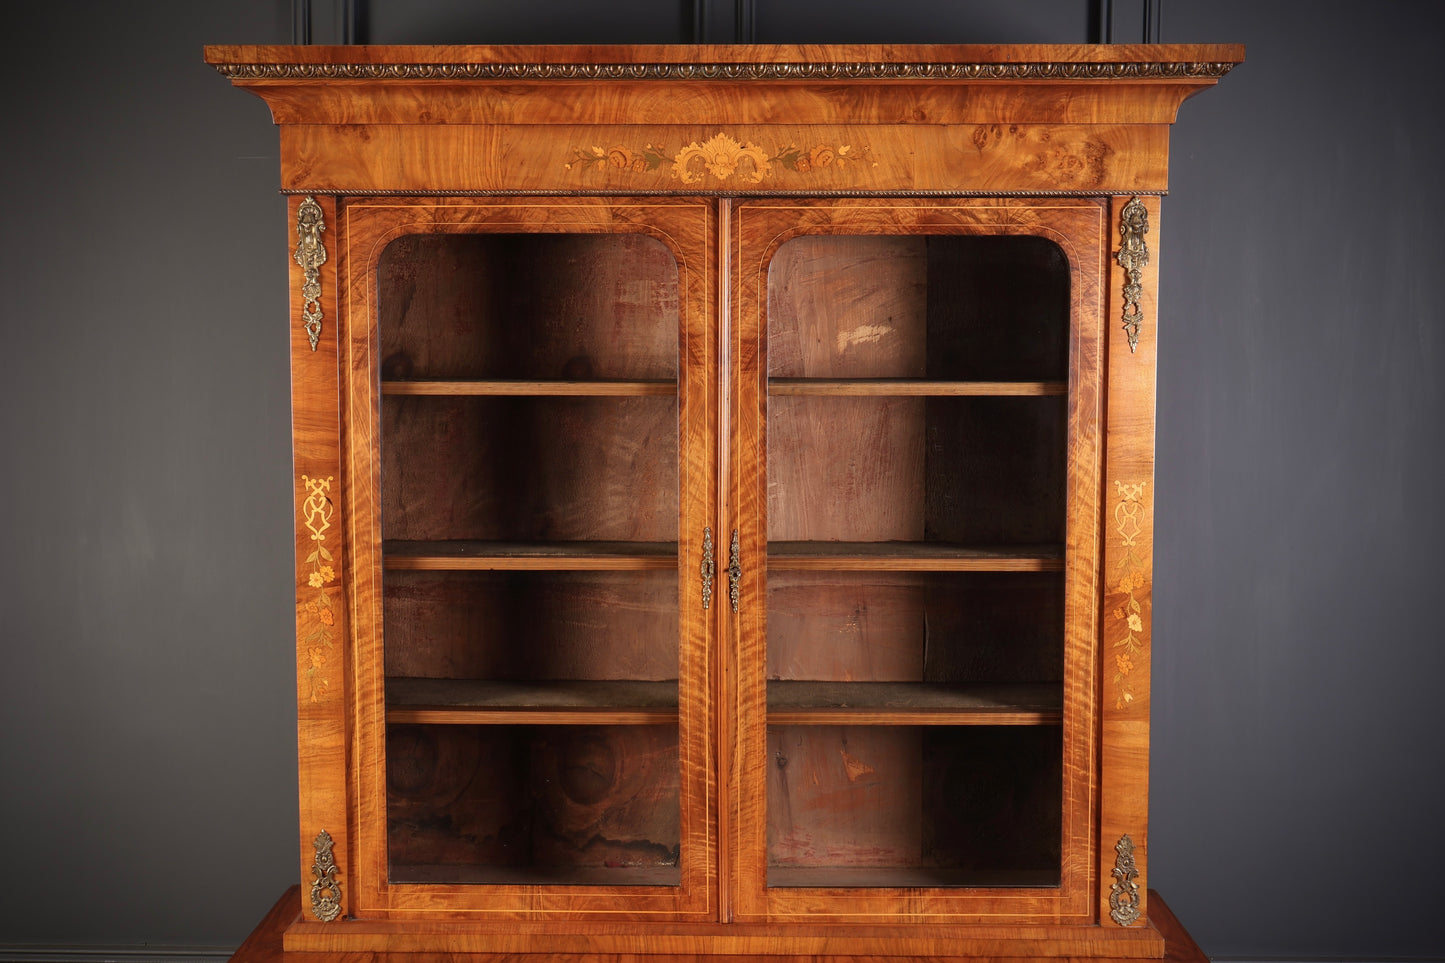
x=845, y=469
x=984, y=802
x=981, y=471
x=916, y=627
x=844, y=796
x=527, y=306
x=993, y=798
x=490, y=801
x=948, y=307
x=531, y=625
x=998, y=308
x=847, y=307
x=529, y=468
x=995, y=470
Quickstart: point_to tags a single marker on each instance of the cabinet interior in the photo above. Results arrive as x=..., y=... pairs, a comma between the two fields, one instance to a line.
x=529, y=516
x=916, y=468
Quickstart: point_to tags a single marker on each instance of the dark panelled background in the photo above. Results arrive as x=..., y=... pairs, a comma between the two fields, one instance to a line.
x=147, y=746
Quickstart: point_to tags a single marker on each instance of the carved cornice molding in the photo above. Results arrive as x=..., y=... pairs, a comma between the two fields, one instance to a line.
x=750, y=71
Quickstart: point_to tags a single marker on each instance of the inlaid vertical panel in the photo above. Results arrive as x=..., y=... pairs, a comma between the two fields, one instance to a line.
x=1127, y=528
x=322, y=612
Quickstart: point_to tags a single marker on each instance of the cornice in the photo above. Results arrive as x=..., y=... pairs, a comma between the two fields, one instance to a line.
x=728, y=71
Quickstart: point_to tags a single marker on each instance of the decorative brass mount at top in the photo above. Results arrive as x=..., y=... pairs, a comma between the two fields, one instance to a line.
x=310, y=254
x=709, y=567
x=1133, y=255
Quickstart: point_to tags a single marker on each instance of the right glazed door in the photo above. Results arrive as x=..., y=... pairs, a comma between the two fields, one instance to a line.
x=916, y=415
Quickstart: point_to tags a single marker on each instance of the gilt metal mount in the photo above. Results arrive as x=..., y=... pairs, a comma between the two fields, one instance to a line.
x=1133, y=255
x=709, y=567
x=1124, y=893
x=325, y=889
x=310, y=254
x=735, y=572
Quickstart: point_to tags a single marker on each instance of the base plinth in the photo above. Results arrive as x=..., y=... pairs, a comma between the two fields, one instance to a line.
x=265, y=945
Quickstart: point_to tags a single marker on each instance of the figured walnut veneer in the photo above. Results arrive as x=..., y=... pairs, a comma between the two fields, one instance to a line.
x=835, y=339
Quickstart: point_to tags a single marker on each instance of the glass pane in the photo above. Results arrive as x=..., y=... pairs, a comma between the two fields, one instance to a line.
x=530, y=502
x=956, y=307
x=529, y=468
x=529, y=306
x=533, y=804
x=914, y=805
x=917, y=447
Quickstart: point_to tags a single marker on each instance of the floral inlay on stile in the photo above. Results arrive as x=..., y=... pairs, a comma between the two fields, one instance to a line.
x=316, y=511
x=1132, y=582
x=721, y=157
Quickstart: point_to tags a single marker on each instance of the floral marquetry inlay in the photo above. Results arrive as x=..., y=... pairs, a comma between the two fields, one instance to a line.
x=722, y=158
x=316, y=512
x=1132, y=585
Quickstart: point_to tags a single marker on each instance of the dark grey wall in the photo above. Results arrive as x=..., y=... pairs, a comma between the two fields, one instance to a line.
x=147, y=787
x=1299, y=748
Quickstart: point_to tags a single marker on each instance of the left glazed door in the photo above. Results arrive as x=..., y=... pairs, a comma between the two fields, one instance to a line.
x=526, y=411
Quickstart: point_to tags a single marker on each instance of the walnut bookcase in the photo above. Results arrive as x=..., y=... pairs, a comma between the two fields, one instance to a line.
x=724, y=484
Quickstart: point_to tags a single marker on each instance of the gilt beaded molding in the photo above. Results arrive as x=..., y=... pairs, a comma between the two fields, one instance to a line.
x=716, y=71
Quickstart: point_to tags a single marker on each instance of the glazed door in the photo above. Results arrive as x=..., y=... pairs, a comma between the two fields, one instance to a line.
x=526, y=401
x=916, y=405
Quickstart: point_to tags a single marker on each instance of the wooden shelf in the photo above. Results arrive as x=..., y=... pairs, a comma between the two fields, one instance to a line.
x=465, y=556
x=893, y=387
x=913, y=704
x=539, y=875
x=893, y=877
x=911, y=557
x=563, y=702
x=517, y=387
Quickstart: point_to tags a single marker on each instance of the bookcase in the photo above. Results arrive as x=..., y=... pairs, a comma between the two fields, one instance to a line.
x=724, y=485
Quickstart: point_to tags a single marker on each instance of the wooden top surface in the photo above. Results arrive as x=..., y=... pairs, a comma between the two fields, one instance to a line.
x=1188, y=59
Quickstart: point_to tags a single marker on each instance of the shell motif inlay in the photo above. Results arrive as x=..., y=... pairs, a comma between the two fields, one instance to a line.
x=722, y=158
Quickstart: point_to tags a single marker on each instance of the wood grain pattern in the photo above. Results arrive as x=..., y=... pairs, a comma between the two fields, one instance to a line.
x=455, y=555
x=799, y=387
x=323, y=656
x=530, y=469
x=533, y=308
x=786, y=306
x=584, y=388
x=912, y=556
x=266, y=945
x=682, y=227
x=891, y=940
x=1076, y=229
x=946, y=159
x=879, y=626
x=802, y=703
x=1127, y=560
x=511, y=625
x=482, y=804
x=568, y=702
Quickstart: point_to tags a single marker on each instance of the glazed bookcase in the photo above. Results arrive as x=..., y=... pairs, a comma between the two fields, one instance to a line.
x=723, y=490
